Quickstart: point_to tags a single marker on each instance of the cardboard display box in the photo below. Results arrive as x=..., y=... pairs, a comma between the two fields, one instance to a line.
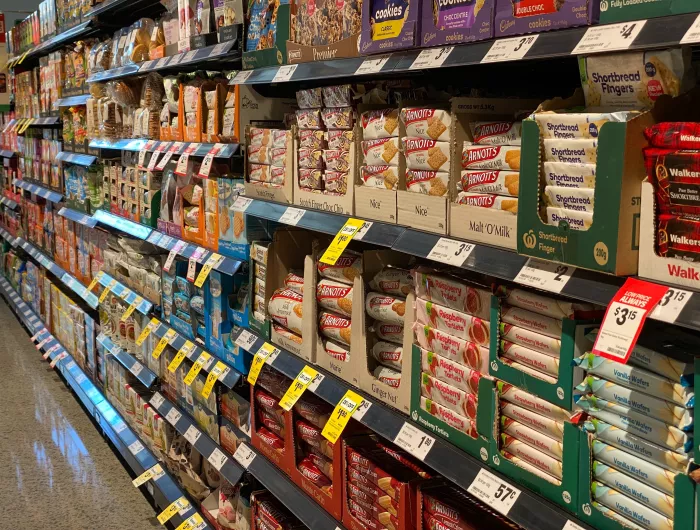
x=283, y=457
x=622, y=11
x=276, y=54
x=519, y=17
x=299, y=53
x=387, y=27
x=284, y=193
x=473, y=223
x=477, y=25
x=611, y=243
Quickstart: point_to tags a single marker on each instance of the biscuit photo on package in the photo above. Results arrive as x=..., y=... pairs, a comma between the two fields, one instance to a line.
x=382, y=177
x=431, y=124
x=490, y=157
x=497, y=182
x=382, y=123
x=426, y=154
x=486, y=200
x=381, y=152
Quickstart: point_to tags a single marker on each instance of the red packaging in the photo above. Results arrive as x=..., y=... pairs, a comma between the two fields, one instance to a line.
x=307, y=468
x=269, y=404
x=271, y=429
x=676, y=178
x=313, y=410
x=674, y=135
x=270, y=438
x=442, y=514
x=368, y=522
x=405, y=460
x=309, y=433
x=678, y=236
x=324, y=464
x=272, y=423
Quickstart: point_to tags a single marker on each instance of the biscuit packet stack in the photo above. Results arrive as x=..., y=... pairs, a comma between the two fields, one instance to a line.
x=267, y=156
x=641, y=417
x=285, y=307
x=314, y=453
x=334, y=294
x=452, y=331
x=386, y=304
x=490, y=176
x=570, y=143
x=380, y=148
x=269, y=513
x=271, y=424
x=426, y=146
x=258, y=255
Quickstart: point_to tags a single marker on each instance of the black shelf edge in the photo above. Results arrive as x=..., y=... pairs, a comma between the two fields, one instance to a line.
x=38, y=190
x=125, y=293
x=78, y=217
x=128, y=361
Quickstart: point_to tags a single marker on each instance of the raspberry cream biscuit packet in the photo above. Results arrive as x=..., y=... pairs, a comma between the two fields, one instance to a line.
x=335, y=327
x=498, y=182
x=454, y=322
x=433, y=183
x=453, y=398
x=382, y=151
x=452, y=418
x=495, y=132
x=451, y=372
x=432, y=124
x=382, y=123
x=285, y=308
x=452, y=292
x=383, y=177
x=461, y=351
x=335, y=296
x=346, y=268
x=487, y=200
x=426, y=154
x=385, y=308
x=490, y=157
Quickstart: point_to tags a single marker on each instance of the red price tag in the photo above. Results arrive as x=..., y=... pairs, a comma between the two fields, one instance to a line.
x=181, y=168
x=154, y=157
x=174, y=149
x=625, y=318
x=205, y=168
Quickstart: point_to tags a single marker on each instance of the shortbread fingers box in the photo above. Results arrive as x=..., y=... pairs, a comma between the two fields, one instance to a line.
x=517, y=17
x=455, y=22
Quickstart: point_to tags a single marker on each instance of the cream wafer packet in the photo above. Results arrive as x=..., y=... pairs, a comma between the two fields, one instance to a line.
x=552, y=327
x=532, y=455
x=569, y=175
x=627, y=506
x=648, y=451
x=534, y=359
x=636, y=489
x=452, y=418
x=521, y=398
x=528, y=370
x=499, y=182
x=552, y=428
x=578, y=151
x=529, y=467
x=661, y=479
x=453, y=398
x=519, y=431
x=486, y=200
x=565, y=125
x=530, y=339
x=576, y=220
x=610, y=514
x=576, y=199
x=548, y=306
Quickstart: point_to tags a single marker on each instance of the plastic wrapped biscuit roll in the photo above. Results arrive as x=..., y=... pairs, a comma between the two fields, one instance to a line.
x=676, y=371
x=628, y=507
x=552, y=428
x=490, y=157
x=336, y=351
x=346, y=268
x=576, y=220
x=451, y=372
x=545, y=305
x=486, y=200
x=453, y=322
x=449, y=396
x=388, y=332
x=622, y=439
x=523, y=318
x=549, y=446
x=534, y=359
x=387, y=376
x=388, y=354
x=577, y=199
x=335, y=327
x=495, y=132
x=293, y=281
x=452, y=418
x=498, y=182
x=529, y=467
x=571, y=151
x=519, y=397
x=452, y=292
x=575, y=124
x=638, y=379
x=458, y=350
x=382, y=177
x=532, y=455
x=392, y=280
x=647, y=472
x=528, y=370
x=335, y=296
x=616, y=516
x=285, y=308
x=634, y=488
x=569, y=175
x=530, y=339
x=433, y=124
x=385, y=308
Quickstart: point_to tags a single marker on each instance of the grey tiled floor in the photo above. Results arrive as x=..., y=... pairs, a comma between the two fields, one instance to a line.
x=56, y=470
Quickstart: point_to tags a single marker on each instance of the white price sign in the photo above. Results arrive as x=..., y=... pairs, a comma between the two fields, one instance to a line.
x=509, y=49
x=431, y=58
x=450, y=251
x=241, y=204
x=161, y=63
x=284, y=73
x=372, y=65
x=491, y=490
x=693, y=33
x=362, y=232
x=176, y=59
x=174, y=252
x=217, y=459
x=414, y=441
x=218, y=49
x=119, y=427
x=244, y=455
x=136, y=447
x=245, y=340
x=173, y=416
x=292, y=216
x=609, y=37
x=241, y=77
x=157, y=400
x=136, y=369
x=671, y=305
x=570, y=525
x=59, y=357
x=361, y=410
x=545, y=275
x=189, y=56
x=192, y=434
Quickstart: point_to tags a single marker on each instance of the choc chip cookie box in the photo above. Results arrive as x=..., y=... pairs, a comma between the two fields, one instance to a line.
x=517, y=17
x=389, y=25
x=455, y=21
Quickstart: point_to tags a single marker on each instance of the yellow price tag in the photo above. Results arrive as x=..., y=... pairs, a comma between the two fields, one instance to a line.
x=169, y=335
x=155, y=472
x=153, y=324
x=341, y=240
x=258, y=361
x=191, y=522
x=341, y=416
x=131, y=308
x=211, y=262
x=197, y=367
x=181, y=354
x=296, y=389
x=25, y=126
x=109, y=287
x=24, y=56
x=94, y=281
x=175, y=506
x=213, y=376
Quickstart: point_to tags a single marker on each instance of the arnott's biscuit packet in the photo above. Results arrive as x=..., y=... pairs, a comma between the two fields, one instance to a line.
x=453, y=419
x=487, y=200
x=346, y=268
x=285, y=308
x=337, y=351
x=490, y=157
x=498, y=182
x=388, y=332
x=432, y=124
x=385, y=308
x=392, y=280
x=382, y=177
x=461, y=351
x=454, y=322
x=383, y=123
x=335, y=296
x=433, y=183
x=382, y=151
x=453, y=398
x=426, y=154
x=335, y=327
x=495, y=132
x=388, y=354
x=451, y=372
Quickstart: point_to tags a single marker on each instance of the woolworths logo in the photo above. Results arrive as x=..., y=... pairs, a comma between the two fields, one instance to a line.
x=414, y=415
x=530, y=239
x=604, y=5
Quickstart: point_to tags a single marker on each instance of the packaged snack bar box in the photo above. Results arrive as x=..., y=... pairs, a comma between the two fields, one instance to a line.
x=453, y=22
x=517, y=17
x=388, y=25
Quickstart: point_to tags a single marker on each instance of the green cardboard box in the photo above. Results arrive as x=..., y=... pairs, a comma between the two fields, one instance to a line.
x=573, y=344
x=478, y=447
x=277, y=54
x=620, y=11
x=684, y=492
x=611, y=242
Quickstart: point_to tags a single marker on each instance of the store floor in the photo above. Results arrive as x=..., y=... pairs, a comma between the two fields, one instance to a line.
x=56, y=470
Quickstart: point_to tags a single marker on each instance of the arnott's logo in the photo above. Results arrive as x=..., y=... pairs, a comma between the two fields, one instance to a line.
x=530, y=239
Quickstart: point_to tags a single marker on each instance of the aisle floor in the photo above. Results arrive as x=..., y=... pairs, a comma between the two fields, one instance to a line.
x=56, y=470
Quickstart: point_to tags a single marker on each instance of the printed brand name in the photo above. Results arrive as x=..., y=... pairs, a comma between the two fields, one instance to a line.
x=390, y=328
x=418, y=143
x=334, y=322
x=483, y=177
x=420, y=176
x=491, y=129
x=391, y=11
x=683, y=173
x=418, y=114
x=683, y=240
x=380, y=301
x=485, y=201
x=484, y=153
x=288, y=293
x=333, y=292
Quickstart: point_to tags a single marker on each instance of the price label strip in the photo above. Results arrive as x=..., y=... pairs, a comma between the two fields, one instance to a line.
x=624, y=318
x=509, y=49
x=181, y=354
x=341, y=241
x=131, y=308
x=202, y=360
x=194, y=522
x=174, y=252
x=491, y=490
x=545, y=275
x=693, y=33
x=244, y=455
x=153, y=324
x=241, y=77
x=181, y=168
x=241, y=204
x=372, y=65
x=59, y=357
x=451, y=251
x=341, y=416
x=157, y=400
x=51, y=351
x=284, y=73
x=609, y=37
x=414, y=441
x=213, y=261
x=217, y=459
x=166, y=158
x=296, y=389
x=431, y=58
x=258, y=361
x=213, y=376
x=109, y=287
x=292, y=216
x=671, y=305
x=164, y=341
x=245, y=340
x=205, y=168
x=176, y=506
x=154, y=473
x=192, y=434
x=94, y=281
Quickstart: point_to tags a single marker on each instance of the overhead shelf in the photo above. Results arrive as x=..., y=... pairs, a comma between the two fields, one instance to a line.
x=141, y=144
x=128, y=361
x=71, y=101
x=125, y=225
x=163, y=489
x=45, y=193
x=76, y=158
x=6, y=153
x=48, y=120
x=79, y=217
x=53, y=43
x=8, y=202
x=122, y=291
x=187, y=250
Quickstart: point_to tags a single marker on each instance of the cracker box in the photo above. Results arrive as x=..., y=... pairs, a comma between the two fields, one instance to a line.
x=389, y=25
x=516, y=17
x=444, y=22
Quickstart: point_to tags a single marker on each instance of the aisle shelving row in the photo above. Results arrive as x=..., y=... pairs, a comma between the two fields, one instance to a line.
x=38, y=190
x=163, y=489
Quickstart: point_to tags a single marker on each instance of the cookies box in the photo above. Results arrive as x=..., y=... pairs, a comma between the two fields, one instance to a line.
x=622, y=11
x=282, y=193
x=281, y=455
x=455, y=22
x=388, y=26
x=492, y=226
x=610, y=241
x=276, y=54
x=517, y=17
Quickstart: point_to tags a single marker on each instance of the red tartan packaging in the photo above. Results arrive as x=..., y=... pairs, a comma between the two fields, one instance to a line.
x=674, y=135
x=678, y=236
x=675, y=175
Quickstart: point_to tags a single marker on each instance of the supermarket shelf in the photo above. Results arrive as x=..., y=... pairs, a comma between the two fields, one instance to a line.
x=125, y=225
x=6, y=153
x=73, y=100
x=78, y=217
x=7, y=236
x=529, y=510
x=76, y=158
x=229, y=377
x=164, y=489
x=115, y=6
x=8, y=202
x=123, y=292
x=656, y=33
x=49, y=120
x=38, y=190
x=140, y=144
x=304, y=507
x=138, y=369
x=227, y=266
x=54, y=42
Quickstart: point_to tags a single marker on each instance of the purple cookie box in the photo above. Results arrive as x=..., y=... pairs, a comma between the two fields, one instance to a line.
x=573, y=13
x=473, y=28
x=408, y=38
